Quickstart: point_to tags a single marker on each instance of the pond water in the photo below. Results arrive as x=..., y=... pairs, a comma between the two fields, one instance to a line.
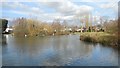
x=65, y=50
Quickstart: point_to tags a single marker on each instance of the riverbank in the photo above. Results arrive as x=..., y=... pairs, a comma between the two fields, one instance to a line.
x=100, y=37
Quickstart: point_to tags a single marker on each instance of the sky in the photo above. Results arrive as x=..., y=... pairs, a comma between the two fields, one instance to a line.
x=48, y=10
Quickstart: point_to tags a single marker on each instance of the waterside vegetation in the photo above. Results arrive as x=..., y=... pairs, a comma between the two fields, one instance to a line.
x=33, y=27
x=108, y=37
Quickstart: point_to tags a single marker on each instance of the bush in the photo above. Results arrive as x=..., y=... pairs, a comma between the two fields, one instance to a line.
x=26, y=27
x=111, y=27
x=32, y=27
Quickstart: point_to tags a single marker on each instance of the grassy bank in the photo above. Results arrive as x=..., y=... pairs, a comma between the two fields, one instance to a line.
x=100, y=37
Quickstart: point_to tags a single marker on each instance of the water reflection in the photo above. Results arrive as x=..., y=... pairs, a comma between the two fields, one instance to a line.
x=56, y=50
x=4, y=41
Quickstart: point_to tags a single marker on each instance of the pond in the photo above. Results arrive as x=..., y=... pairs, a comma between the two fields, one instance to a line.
x=64, y=50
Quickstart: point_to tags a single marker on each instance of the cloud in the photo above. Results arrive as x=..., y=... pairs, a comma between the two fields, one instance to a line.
x=68, y=17
x=65, y=10
x=107, y=5
x=58, y=0
x=68, y=10
x=110, y=5
x=19, y=12
x=61, y=9
x=13, y=5
x=20, y=8
x=67, y=7
x=84, y=9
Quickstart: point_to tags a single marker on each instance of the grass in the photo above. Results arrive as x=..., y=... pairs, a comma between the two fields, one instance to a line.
x=99, y=37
